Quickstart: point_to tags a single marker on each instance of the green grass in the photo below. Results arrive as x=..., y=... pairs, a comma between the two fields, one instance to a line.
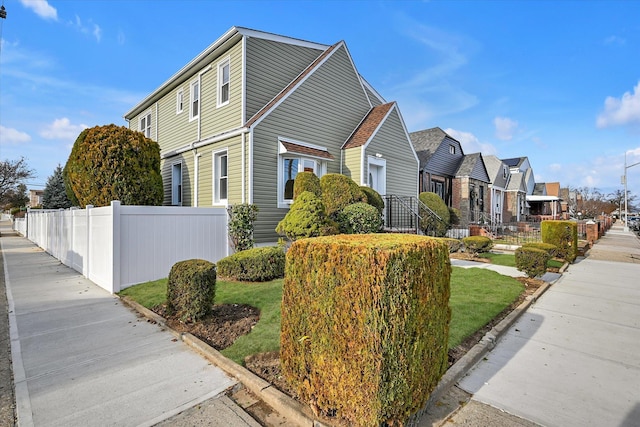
x=477, y=296
x=510, y=260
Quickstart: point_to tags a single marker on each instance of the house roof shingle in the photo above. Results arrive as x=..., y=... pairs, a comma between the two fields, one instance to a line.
x=292, y=147
x=427, y=141
x=368, y=126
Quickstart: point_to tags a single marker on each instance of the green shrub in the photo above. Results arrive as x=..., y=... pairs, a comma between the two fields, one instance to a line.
x=532, y=261
x=429, y=224
x=373, y=198
x=306, y=218
x=253, y=265
x=241, y=219
x=359, y=218
x=339, y=191
x=477, y=244
x=191, y=289
x=564, y=235
x=552, y=250
x=454, y=216
x=454, y=245
x=113, y=163
x=306, y=181
x=365, y=322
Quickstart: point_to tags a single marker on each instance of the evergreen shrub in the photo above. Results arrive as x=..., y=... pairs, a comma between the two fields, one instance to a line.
x=253, y=265
x=532, y=261
x=306, y=181
x=338, y=191
x=365, y=321
x=477, y=244
x=454, y=245
x=191, y=289
x=429, y=224
x=552, y=250
x=564, y=235
x=373, y=198
x=359, y=218
x=241, y=219
x=306, y=218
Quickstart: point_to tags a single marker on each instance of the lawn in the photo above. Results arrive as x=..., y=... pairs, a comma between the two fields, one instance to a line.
x=477, y=296
x=510, y=260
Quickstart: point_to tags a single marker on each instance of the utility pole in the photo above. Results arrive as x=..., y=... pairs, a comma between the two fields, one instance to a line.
x=624, y=178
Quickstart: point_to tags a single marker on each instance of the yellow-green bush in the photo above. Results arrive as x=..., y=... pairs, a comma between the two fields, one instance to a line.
x=563, y=234
x=477, y=244
x=454, y=245
x=306, y=218
x=253, y=265
x=306, y=181
x=373, y=198
x=429, y=224
x=191, y=289
x=552, y=250
x=365, y=322
x=338, y=191
x=532, y=261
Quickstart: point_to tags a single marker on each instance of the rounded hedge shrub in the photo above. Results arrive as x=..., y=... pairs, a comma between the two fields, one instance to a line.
x=306, y=181
x=191, y=289
x=114, y=163
x=552, y=250
x=477, y=244
x=453, y=244
x=339, y=191
x=306, y=218
x=253, y=265
x=373, y=198
x=359, y=218
x=532, y=261
x=563, y=234
x=429, y=224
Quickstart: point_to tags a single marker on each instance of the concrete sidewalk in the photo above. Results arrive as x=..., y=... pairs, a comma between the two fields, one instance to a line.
x=82, y=359
x=572, y=358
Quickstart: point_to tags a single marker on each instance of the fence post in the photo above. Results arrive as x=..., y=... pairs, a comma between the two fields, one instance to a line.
x=86, y=264
x=115, y=252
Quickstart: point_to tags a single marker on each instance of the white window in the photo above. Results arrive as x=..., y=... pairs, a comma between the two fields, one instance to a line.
x=176, y=184
x=179, y=101
x=452, y=149
x=145, y=124
x=195, y=100
x=290, y=166
x=223, y=83
x=220, y=177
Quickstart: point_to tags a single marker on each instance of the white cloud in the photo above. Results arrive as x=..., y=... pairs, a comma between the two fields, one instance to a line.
x=41, y=8
x=121, y=37
x=470, y=143
x=62, y=129
x=13, y=136
x=614, y=40
x=555, y=167
x=621, y=111
x=91, y=28
x=505, y=128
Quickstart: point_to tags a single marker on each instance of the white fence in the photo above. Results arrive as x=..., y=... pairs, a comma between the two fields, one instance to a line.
x=20, y=225
x=119, y=246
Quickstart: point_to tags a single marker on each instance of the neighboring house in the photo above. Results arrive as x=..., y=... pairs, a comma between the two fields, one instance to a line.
x=521, y=184
x=35, y=198
x=545, y=201
x=471, y=189
x=499, y=175
x=238, y=122
x=440, y=156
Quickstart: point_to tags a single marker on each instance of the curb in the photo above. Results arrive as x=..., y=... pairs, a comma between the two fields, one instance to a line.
x=286, y=406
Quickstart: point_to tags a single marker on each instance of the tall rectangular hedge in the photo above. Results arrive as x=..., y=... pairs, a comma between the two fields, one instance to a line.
x=564, y=235
x=365, y=324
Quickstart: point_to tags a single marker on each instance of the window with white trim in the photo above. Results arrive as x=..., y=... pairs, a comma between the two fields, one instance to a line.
x=289, y=166
x=179, y=101
x=220, y=177
x=195, y=100
x=452, y=149
x=176, y=184
x=223, y=82
x=145, y=124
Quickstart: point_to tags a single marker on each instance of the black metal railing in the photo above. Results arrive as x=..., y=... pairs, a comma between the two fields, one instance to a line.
x=407, y=214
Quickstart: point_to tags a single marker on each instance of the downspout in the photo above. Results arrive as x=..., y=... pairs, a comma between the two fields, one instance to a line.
x=196, y=172
x=242, y=179
x=250, y=173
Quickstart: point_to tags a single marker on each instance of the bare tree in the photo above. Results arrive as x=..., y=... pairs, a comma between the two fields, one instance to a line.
x=617, y=198
x=12, y=174
x=591, y=202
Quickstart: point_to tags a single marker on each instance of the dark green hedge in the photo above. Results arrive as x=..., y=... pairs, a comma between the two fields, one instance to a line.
x=359, y=218
x=532, y=261
x=429, y=224
x=373, y=198
x=365, y=322
x=454, y=245
x=253, y=265
x=477, y=244
x=564, y=235
x=191, y=289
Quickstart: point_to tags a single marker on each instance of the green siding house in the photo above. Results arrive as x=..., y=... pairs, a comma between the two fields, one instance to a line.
x=238, y=122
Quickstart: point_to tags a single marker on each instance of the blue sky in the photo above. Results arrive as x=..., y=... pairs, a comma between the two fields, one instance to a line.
x=557, y=81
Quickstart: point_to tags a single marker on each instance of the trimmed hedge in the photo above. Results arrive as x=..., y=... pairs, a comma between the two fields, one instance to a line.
x=365, y=322
x=552, y=250
x=306, y=181
x=532, y=261
x=191, y=289
x=373, y=198
x=477, y=244
x=306, y=218
x=563, y=234
x=453, y=244
x=338, y=191
x=253, y=265
x=429, y=224
x=359, y=218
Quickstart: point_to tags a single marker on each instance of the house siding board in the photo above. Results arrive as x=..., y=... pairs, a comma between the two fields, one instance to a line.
x=373, y=98
x=187, y=178
x=401, y=165
x=214, y=119
x=233, y=146
x=175, y=130
x=442, y=162
x=353, y=163
x=271, y=66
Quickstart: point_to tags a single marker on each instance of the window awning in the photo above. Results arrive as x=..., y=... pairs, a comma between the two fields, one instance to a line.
x=306, y=150
x=532, y=198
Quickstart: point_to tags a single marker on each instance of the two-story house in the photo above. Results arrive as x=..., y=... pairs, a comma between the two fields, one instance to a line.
x=471, y=189
x=499, y=176
x=239, y=121
x=521, y=184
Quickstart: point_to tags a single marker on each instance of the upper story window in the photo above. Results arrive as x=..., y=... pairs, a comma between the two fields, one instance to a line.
x=504, y=171
x=179, y=101
x=145, y=124
x=176, y=184
x=220, y=177
x=452, y=149
x=223, y=82
x=195, y=100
